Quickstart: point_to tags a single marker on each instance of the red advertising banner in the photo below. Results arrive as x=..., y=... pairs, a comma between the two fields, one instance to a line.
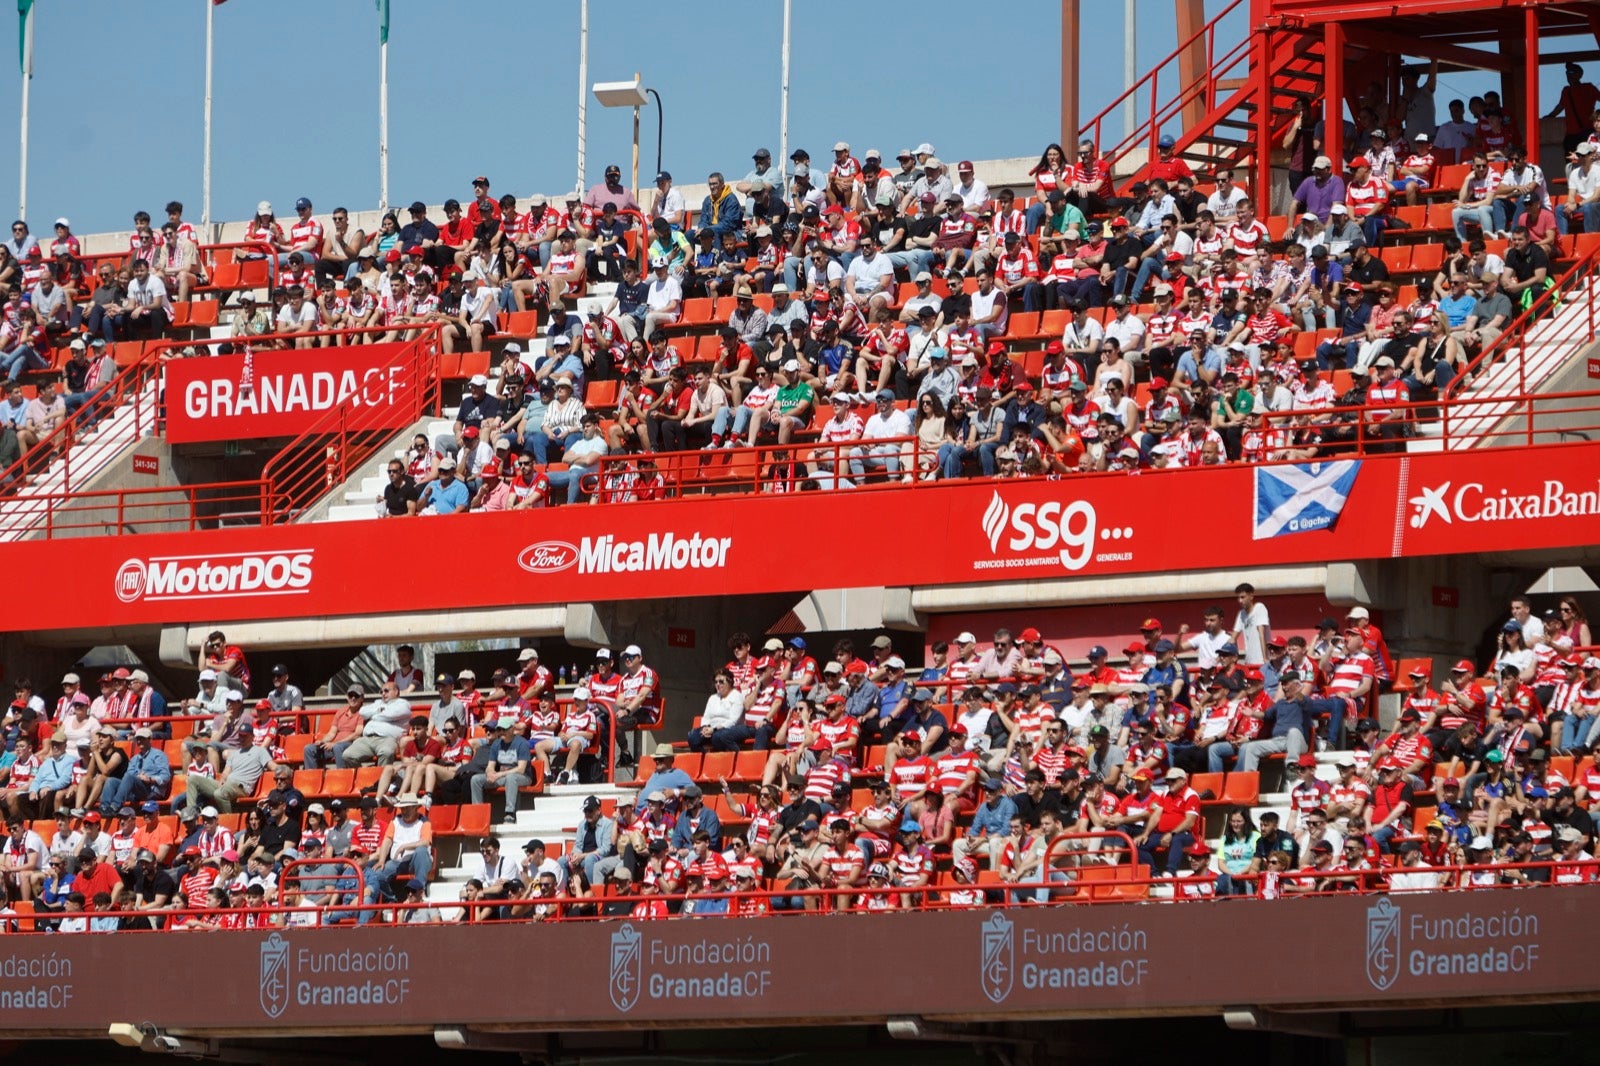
x=1451, y=949
x=279, y=393
x=969, y=532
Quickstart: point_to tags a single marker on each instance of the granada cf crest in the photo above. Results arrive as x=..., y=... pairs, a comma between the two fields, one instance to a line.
x=274, y=975
x=626, y=967
x=998, y=957
x=1383, y=944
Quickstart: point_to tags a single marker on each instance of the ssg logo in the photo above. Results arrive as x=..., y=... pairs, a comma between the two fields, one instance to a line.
x=1383, y=944
x=274, y=975
x=998, y=958
x=626, y=968
x=1069, y=529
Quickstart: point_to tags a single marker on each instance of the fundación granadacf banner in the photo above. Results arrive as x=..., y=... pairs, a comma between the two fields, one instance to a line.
x=280, y=393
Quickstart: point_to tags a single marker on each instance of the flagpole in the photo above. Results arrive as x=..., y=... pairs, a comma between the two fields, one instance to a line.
x=783, y=99
x=383, y=124
x=27, y=76
x=583, y=87
x=205, y=166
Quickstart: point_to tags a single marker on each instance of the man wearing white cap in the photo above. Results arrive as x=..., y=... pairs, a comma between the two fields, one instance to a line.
x=148, y=774
x=1583, y=190
x=639, y=700
x=1320, y=191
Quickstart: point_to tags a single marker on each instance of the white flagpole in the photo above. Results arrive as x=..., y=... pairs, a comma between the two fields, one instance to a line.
x=783, y=99
x=383, y=126
x=27, y=76
x=205, y=166
x=583, y=88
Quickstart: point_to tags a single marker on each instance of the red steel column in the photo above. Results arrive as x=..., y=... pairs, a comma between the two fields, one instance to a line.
x=1530, y=85
x=1069, y=78
x=1333, y=95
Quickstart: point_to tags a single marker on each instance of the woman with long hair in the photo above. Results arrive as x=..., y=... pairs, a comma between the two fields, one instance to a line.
x=1239, y=840
x=929, y=428
x=1052, y=173
x=1574, y=623
x=1513, y=650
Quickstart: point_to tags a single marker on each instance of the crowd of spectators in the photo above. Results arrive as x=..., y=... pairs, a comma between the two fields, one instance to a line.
x=864, y=318
x=999, y=763
x=812, y=270
x=98, y=767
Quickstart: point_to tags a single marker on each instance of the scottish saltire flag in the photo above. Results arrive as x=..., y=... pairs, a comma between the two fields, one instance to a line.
x=1301, y=497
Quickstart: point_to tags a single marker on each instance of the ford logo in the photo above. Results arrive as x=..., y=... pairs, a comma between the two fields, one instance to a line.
x=548, y=557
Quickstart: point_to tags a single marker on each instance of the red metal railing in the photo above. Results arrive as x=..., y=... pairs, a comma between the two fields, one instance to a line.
x=154, y=509
x=1161, y=78
x=1566, y=309
x=134, y=390
x=1486, y=421
x=765, y=468
x=1122, y=886
x=336, y=445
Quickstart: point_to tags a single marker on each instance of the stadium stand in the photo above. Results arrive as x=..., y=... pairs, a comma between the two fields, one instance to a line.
x=998, y=773
x=860, y=325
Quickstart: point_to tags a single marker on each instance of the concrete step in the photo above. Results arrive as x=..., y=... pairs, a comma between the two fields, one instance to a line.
x=555, y=817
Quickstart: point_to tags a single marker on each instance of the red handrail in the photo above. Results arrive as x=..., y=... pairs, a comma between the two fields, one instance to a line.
x=1203, y=87
x=131, y=383
x=337, y=444
x=163, y=509
x=766, y=467
x=1073, y=891
x=1545, y=308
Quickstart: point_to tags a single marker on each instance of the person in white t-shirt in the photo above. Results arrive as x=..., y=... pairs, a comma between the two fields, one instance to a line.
x=663, y=299
x=1251, y=629
x=885, y=423
x=1223, y=203
x=298, y=319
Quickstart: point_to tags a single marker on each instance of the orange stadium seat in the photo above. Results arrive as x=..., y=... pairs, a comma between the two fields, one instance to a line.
x=1243, y=788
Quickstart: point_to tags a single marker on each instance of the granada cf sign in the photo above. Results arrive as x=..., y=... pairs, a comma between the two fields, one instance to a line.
x=1072, y=959
x=280, y=393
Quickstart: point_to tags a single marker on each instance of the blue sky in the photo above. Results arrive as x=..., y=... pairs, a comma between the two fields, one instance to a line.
x=117, y=91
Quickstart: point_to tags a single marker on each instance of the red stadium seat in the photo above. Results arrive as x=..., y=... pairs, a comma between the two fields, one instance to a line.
x=1243, y=788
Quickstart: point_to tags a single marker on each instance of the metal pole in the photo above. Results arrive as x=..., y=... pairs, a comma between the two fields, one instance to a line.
x=205, y=165
x=583, y=87
x=783, y=99
x=27, y=76
x=383, y=126
x=636, y=77
x=1130, y=66
x=657, y=95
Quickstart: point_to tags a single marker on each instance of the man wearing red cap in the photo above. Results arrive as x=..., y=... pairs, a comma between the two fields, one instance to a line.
x=1393, y=799
x=1309, y=792
x=1461, y=699
x=1137, y=812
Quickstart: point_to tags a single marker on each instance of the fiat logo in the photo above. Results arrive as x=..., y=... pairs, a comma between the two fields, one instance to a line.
x=130, y=580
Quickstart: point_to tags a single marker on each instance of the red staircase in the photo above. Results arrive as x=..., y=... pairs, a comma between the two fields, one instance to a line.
x=1224, y=90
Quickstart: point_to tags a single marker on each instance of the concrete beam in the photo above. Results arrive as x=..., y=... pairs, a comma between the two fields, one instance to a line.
x=1070, y=591
x=183, y=643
